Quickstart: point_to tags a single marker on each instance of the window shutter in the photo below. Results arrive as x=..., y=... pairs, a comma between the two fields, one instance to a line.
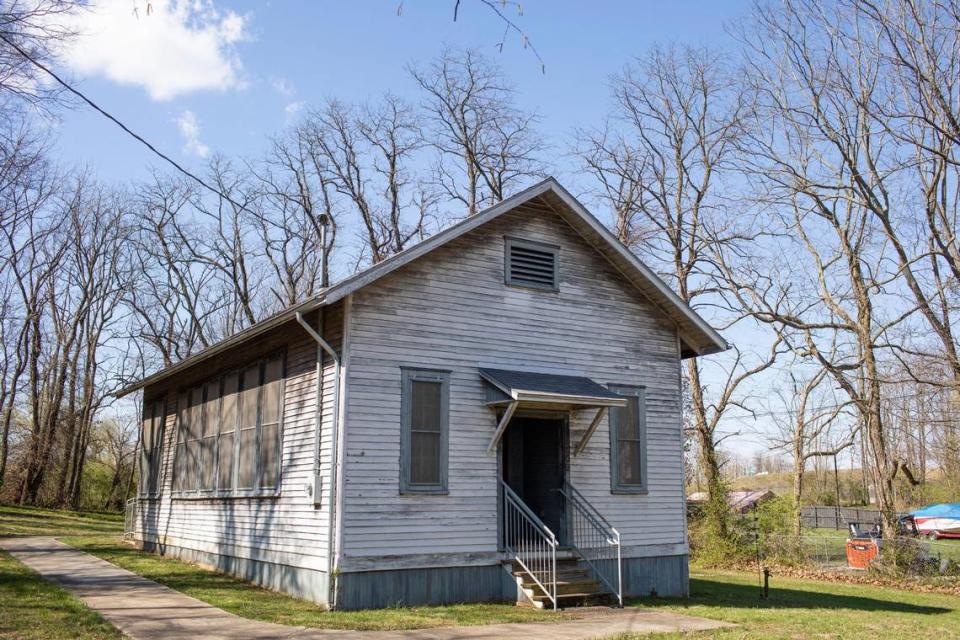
x=532, y=264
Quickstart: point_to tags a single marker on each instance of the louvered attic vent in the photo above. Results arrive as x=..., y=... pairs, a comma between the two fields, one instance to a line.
x=531, y=264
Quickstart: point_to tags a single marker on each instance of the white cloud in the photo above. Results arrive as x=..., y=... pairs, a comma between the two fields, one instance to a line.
x=293, y=109
x=180, y=47
x=284, y=87
x=190, y=130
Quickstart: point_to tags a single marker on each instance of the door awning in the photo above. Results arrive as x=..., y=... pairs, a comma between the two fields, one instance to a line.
x=574, y=392
x=528, y=390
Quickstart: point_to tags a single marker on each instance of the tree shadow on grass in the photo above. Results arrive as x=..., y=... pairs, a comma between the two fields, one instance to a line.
x=720, y=594
x=176, y=574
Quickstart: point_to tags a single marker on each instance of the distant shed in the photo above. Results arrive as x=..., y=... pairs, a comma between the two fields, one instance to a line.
x=739, y=501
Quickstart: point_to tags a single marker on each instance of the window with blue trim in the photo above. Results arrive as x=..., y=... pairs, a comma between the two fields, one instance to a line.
x=425, y=406
x=628, y=442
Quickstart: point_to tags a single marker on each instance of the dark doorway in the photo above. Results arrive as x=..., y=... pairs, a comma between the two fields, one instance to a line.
x=534, y=467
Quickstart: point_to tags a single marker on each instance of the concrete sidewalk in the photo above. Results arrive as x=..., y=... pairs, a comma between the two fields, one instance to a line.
x=145, y=610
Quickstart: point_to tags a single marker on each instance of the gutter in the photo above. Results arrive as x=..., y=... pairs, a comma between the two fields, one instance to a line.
x=324, y=346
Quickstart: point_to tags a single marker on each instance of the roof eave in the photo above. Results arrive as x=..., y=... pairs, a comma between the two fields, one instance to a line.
x=703, y=340
x=557, y=398
x=236, y=339
x=710, y=340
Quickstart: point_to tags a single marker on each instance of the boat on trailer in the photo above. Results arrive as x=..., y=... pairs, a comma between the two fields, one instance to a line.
x=938, y=520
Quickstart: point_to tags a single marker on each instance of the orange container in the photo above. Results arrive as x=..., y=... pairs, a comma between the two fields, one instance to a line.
x=860, y=553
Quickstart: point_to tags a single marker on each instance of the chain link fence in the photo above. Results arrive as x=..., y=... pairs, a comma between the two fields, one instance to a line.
x=826, y=550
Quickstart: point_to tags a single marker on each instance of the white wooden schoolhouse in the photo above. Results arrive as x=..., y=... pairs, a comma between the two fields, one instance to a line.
x=493, y=414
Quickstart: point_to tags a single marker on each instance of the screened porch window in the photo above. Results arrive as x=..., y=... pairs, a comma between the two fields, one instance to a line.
x=425, y=422
x=151, y=448
x=229, y=436
x=628, y=442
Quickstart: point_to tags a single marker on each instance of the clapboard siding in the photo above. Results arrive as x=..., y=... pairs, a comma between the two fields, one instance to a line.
x=451, y=310
x=284, y=530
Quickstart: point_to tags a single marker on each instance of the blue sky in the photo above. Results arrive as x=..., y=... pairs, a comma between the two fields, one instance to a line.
x=222, y=76
x=297, y=53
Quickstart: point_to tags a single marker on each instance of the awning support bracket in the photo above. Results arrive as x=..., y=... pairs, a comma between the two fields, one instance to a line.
x=602, y=411
x=502, y=426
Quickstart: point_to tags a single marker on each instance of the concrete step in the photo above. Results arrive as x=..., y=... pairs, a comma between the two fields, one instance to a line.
x=562, y=572
x=567, y=600
x=562, y=566
x=586, y=585
x=565, y=574
x=576, y=586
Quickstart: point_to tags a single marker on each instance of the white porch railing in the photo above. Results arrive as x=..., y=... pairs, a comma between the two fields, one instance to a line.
x=529, y=542
x=130, y=518
x=592, y=538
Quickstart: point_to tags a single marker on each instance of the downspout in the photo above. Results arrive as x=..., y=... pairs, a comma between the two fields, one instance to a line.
x=324, y=346
x=683, y=466
x=340, y=443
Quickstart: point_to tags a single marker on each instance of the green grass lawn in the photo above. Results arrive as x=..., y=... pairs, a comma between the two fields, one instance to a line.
x=833, y=543
x=32, y=608
x=26, y=521
x=813, y=609
x=249, y=601
x=947, y=549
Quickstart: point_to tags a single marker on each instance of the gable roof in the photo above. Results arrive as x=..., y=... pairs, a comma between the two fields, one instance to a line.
x=697, y=336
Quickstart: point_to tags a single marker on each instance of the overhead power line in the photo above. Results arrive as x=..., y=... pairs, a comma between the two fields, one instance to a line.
x=117, y=122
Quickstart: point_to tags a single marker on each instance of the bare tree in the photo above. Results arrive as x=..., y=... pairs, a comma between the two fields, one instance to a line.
x=115, y=441
x=174, y=299
x=817, y=163
x=85, y=248
x=365, y=153
x=38, y=27
x=659, y=164
x=486, y=146
x=225, y=244
x=299, y=191
x=806, y=428
x=27, y=183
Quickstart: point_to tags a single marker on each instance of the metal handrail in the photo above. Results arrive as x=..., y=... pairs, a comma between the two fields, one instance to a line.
x=595, y=541
x=586, y=503
x=130, y=517
x=530, y=542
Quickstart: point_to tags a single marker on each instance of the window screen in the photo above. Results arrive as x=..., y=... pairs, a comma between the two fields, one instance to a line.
x=270, y=422
x=194, y=434
x=628, y=442
x=425, y=423
x=230, y=432
x=228, y=428
x=183, y=434
x=208, y=442
x=151, y=448
x=249, y=399
x=531, y=264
